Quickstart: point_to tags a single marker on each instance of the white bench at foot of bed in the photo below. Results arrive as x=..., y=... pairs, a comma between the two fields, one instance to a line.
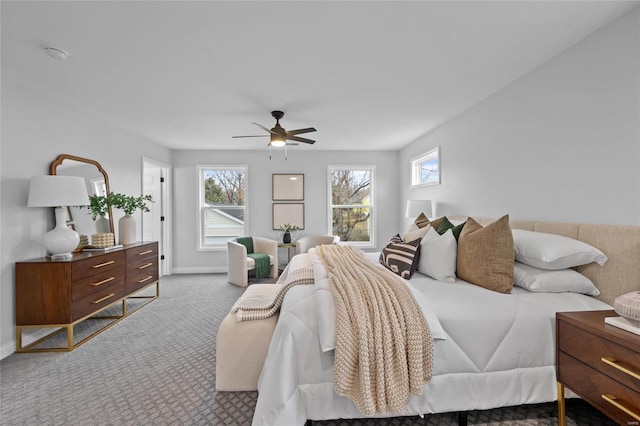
x=241, y=347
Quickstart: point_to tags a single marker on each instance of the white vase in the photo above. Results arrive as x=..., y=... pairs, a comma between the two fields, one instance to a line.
x=126, y=230
x=102, y=225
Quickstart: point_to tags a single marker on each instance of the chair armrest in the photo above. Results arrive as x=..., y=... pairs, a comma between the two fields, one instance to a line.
x=270, y=247
x=237, y=263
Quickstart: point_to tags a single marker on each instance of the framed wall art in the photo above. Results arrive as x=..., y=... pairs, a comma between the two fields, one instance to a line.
x=288, y=187
x=292, y=213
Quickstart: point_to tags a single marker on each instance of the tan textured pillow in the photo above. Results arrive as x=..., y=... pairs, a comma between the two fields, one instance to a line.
x=486, y=255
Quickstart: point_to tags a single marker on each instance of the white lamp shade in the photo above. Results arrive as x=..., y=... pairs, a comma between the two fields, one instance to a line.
x=415, y=207
x=54, y=191
x=59, y=191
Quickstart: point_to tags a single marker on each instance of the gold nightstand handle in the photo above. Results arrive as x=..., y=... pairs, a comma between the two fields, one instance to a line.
x=613, y=363
x=145, y=252
x=145, y=265
x=144, y=279
x=614, y=401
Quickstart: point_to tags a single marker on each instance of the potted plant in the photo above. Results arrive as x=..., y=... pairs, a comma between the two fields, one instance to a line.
x=129, y=204
x=287, y=228
x=99, y=209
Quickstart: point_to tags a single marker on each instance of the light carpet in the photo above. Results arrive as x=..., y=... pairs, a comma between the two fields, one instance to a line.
x=157, y=367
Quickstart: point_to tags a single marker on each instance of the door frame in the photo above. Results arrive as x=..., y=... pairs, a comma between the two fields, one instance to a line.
x=165, y=210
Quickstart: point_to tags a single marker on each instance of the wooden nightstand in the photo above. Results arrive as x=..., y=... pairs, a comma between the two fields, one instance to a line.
x=600, y=363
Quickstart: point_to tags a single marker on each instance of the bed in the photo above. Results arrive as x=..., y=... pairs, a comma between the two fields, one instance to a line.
x=483, y=340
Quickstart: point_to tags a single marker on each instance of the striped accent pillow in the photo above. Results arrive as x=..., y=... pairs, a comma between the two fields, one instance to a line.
x=401, y=257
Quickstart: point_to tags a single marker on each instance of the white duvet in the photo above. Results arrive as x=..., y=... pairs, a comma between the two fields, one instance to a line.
x=495, y=350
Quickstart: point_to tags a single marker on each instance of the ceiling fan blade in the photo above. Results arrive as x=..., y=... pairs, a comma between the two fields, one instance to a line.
x=264, y=128
x=252, y=136
x=298, y=131
x=292, y=143
x=299, y=139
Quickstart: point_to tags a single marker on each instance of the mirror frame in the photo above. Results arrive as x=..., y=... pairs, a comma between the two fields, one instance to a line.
x=58, y=161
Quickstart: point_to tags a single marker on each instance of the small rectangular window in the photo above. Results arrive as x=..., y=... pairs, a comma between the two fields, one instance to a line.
x=223, y=209
x=351, y=207
x=425, y=169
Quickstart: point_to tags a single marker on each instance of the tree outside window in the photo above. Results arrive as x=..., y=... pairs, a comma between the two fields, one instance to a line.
x=223, y=191
x=351, y=204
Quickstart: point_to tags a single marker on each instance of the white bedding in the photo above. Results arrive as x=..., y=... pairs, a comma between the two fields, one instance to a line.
x=498, y=350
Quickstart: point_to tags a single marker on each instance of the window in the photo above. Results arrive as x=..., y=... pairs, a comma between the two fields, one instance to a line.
x=425, y=169
x=351, y=204
x=223, y=207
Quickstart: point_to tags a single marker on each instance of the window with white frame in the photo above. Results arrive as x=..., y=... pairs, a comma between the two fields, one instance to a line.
x=425, y=169
x=223, y=204
x=351, y=206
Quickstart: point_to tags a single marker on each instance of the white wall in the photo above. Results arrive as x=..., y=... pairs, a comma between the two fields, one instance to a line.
x=561, y=143
x=301, y=160
x=34, y=132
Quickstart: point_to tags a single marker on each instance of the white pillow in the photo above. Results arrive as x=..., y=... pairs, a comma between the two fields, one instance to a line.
x=438, y=255
x=550, y=251
x=545, y=281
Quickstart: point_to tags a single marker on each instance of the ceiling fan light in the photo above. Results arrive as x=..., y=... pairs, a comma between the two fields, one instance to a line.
x=277, y=141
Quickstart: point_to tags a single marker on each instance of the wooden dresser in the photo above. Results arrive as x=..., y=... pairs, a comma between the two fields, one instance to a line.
x=61, y=294
x=600, y=363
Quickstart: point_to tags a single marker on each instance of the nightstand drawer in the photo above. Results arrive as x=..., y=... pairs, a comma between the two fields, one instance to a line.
x=97, y=282
x=621, y=363
x=592, y=385
x=96, y=264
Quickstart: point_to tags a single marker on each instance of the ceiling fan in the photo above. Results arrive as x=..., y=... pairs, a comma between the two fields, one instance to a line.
x=279, y=136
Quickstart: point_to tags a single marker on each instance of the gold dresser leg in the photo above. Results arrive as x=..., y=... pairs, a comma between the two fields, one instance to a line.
x=562, y=419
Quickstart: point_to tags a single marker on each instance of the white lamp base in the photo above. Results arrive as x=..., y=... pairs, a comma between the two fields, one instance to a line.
x=61, y=240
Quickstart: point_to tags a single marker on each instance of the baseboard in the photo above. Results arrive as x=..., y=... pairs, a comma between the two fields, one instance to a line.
x=27, y=338
x=199, y=270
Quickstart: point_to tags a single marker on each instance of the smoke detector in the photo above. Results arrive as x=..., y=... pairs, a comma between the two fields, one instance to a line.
x=55, y=53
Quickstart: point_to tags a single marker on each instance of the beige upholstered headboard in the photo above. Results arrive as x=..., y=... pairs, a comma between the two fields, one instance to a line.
x=621, y=244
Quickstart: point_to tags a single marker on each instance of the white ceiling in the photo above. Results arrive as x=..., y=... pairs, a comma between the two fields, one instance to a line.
x=368, y=75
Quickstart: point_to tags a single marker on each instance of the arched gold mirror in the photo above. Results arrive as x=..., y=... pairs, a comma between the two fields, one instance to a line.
x=97, y=182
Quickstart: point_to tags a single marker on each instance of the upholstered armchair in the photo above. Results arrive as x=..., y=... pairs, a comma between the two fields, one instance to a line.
x=310, y=241
x=239, y=264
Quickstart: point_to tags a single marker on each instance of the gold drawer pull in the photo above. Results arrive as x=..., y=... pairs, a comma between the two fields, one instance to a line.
x=614, y=401
x=100, y=265
x=103, y=281
x=145, y=266
x=145, y=252
x=145, y=279
x=95, y=302
x=613, y=363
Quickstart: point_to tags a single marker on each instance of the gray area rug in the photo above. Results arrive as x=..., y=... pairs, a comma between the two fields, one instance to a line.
x=157, y=367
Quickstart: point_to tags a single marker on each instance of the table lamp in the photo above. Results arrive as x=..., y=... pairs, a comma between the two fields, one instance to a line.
x=415, y=207
x=59, y=192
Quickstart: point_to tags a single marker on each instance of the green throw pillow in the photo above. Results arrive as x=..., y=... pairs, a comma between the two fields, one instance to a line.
x=446, y=224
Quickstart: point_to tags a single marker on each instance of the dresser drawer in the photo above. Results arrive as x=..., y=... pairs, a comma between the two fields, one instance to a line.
x=590, y=349
x=97, y=300
x=592, y=385
x=142, y=252
x=94, y=283
x=94, y=265
x=141, y=273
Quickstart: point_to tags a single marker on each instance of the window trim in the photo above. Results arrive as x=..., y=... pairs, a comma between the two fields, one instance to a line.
x=199, y=211
x=415, y=168
x=372, y=206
